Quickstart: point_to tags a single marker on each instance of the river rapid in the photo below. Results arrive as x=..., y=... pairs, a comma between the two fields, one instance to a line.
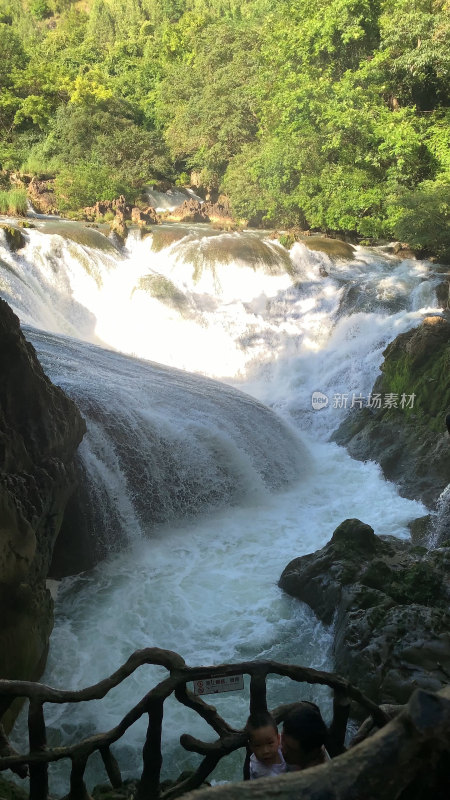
x=204, y=494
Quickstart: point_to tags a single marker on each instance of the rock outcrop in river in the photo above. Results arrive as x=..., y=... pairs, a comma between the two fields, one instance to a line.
x=41, y=194
x=389, y=602
x=40, y=429
x=411, y=444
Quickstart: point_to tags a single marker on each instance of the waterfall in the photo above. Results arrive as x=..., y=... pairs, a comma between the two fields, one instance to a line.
x=161, y=444
x=168, y=201
x=210, y=482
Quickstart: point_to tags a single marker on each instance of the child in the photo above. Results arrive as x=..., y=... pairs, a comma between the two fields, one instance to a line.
x=264, y=742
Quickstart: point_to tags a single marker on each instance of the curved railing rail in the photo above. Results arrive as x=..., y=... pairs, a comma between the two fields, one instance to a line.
x=229, y=739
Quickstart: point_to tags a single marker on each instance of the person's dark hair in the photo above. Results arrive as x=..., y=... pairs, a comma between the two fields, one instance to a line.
x=260, y=719
x=305, y=724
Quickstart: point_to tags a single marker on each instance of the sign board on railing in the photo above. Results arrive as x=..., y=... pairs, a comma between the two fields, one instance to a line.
x=226, y=683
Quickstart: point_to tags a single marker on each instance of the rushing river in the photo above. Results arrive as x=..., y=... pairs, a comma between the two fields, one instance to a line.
x=203, y=494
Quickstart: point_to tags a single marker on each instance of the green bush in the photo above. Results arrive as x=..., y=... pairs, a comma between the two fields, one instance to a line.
x=86, y=182
x=40, y=9
x=183, y=179
x=13, y=202
x=287, y=240
x=35, y=164
x=421, y=217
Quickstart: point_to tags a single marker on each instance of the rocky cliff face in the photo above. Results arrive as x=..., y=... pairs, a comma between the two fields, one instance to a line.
x=40, y=429
x=389, y=601
x=412, y=445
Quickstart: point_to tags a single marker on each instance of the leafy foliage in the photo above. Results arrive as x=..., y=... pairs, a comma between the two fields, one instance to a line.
x=422, y=216
x=13, y=202
x=332, y=115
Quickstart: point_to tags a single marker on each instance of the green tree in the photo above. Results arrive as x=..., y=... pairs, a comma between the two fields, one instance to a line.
x=12, y=60
x=86, y=182
x=206, y=106
x=422, y=218
x=415, y=51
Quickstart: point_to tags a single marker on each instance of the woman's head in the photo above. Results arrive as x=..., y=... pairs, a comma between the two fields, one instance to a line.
x=304, y=733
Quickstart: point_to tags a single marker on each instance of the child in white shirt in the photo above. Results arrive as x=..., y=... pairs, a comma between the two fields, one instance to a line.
x=264, y=742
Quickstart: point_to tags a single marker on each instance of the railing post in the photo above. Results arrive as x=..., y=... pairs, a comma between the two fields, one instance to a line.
x=258, y=693
x=258, y=702
x=112, y=767
x=78, y=789
x=151, y=756
x=37, y=738
x=338, y=727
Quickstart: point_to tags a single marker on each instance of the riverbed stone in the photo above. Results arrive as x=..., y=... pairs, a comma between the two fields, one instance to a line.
x=14, y=237
x=336, y=248
x=388, y=600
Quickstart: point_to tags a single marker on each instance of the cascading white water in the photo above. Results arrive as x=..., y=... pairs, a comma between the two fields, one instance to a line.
x=234, y=307
x=163, y=444
x=168, y=201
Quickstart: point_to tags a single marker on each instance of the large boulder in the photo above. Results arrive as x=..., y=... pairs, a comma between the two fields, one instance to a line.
x=189, y=211
x=192, y=210
x=389, y=603
x=408, y=438
x=219, y=211
x=145, y=216
x=40, y=429
x=118, y=206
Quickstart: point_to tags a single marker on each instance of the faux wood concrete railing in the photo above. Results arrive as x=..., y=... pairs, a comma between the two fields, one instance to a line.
x=152, y=704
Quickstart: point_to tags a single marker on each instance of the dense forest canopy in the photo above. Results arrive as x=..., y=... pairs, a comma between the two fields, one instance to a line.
x=332, y=114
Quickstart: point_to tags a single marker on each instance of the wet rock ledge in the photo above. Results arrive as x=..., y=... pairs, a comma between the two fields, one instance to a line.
x=389, y=601
x=411, y=445
x=40, y=429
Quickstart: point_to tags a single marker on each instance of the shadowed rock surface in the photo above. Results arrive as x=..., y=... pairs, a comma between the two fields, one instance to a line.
x=410, y=444
x=9, y=790
x=390, y=598
x=40, y=429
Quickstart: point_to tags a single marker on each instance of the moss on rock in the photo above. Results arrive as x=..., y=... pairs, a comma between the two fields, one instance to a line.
x=388, y=599
x=409, y=438
x=418, y=363
x=14, y=238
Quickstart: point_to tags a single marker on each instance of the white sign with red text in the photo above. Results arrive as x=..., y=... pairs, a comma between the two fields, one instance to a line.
x=225, y=683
